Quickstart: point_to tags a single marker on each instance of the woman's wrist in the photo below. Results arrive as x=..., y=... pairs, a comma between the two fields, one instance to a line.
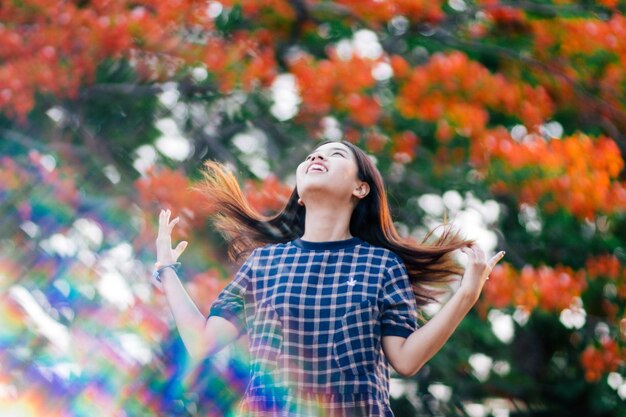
x=164, y=262
x=469, y=295
x=160, y=267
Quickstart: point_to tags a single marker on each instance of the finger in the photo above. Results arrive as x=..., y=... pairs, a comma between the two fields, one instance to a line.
x=496, y=258
x=163, y=217
x=480, y=254
x=173, y=223
x=162, y=224
x=180, y=248
x=166, y=221
x=469, y=252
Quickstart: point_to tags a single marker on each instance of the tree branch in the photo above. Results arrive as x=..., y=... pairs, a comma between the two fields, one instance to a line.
x=185, y=88
x=551, y=10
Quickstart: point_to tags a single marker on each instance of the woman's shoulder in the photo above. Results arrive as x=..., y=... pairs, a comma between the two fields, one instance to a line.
x=270, y=249
x=386, y=256
x=260, y=255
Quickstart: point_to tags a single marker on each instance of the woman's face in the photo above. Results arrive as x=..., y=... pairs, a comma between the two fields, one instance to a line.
x=331, y=168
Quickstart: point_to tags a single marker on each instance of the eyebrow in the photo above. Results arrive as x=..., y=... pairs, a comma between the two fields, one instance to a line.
x=336, y=148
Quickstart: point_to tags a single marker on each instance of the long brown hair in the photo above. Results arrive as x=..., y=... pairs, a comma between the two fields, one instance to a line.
x=430, y=265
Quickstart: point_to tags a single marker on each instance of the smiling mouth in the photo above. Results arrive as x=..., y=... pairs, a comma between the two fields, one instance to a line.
x=317, y=168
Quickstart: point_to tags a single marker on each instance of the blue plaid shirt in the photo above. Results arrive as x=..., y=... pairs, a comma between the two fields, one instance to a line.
x=315, y=313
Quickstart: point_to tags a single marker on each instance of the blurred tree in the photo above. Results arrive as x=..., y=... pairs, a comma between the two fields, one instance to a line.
x=504, y=117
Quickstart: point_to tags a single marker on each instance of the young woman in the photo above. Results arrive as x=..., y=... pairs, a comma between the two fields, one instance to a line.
x=329, y=292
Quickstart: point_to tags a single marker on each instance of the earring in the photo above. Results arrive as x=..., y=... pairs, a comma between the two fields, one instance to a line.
x=300, y=202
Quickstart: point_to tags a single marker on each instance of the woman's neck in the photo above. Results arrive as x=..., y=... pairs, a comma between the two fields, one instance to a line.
x=326, y=224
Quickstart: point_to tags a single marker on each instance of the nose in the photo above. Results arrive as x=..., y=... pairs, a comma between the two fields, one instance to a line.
x=317, y=154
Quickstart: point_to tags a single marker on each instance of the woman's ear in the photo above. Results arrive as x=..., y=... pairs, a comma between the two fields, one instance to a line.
x=361, y=190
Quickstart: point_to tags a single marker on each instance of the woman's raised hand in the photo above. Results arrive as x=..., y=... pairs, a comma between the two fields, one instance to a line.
x=478, y=268
x=165, y=254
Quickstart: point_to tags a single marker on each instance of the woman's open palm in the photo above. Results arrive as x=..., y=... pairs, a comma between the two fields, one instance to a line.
x=165, y=254
x=478, y=267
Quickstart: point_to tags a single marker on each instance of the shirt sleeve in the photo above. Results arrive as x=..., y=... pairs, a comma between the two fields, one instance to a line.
x=230, y=302
x=399, y=309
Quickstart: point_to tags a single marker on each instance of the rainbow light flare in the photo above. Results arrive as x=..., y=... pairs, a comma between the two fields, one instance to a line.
x=65, y=350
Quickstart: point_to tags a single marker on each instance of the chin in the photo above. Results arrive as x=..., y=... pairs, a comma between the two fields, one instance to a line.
x=327, y=192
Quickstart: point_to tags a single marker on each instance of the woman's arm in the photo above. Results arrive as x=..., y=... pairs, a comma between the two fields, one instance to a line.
x=200, y=336
x=408, y=355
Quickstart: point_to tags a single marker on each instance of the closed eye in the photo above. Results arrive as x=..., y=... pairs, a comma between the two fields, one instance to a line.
x=337, y=152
